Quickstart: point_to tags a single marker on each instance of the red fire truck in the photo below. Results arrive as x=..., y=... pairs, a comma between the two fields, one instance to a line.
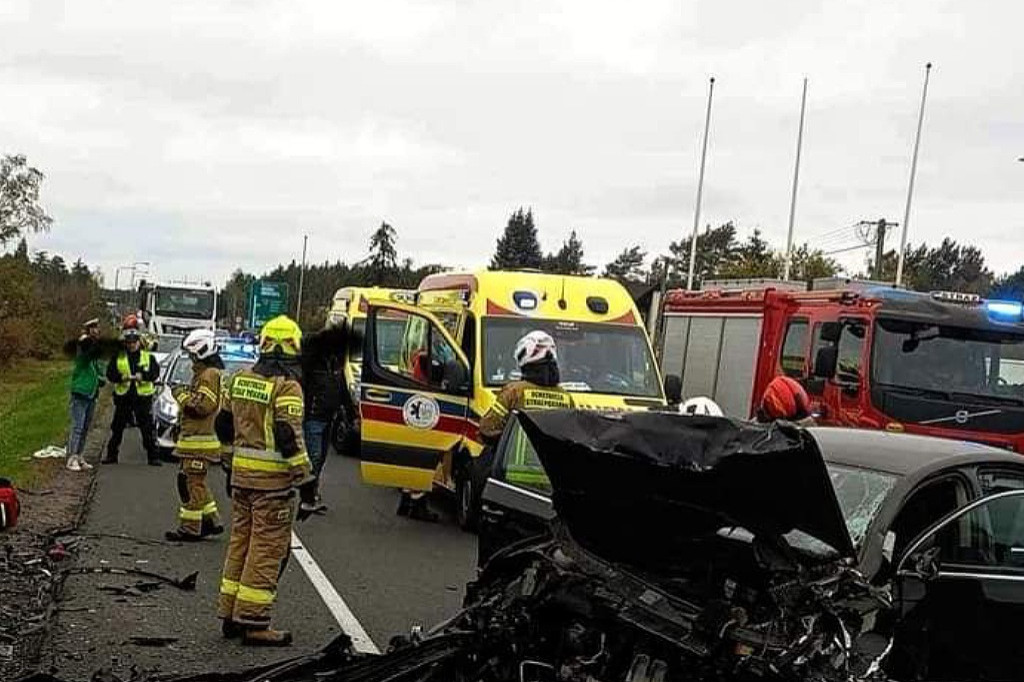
x=943, y=364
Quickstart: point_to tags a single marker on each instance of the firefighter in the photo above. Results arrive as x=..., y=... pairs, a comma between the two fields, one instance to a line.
x=537, y=358
x=263, y=420
x=132, y=372
x=197, y=444
x=785, y=399
x=701, y=406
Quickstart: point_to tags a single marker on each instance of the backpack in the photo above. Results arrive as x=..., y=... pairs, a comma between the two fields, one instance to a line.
x=9, y=506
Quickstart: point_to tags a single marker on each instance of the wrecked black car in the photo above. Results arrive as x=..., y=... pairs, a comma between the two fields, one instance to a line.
x=691, y=548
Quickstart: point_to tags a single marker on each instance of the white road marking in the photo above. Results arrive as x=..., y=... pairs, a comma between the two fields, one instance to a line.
x=361, y=641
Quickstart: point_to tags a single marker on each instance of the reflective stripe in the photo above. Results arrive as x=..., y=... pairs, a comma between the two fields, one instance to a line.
x=499, y=408
x=255, y=595
x=208, y=393
x=229, y=586
x=288, y=400
x=190, y=514
x=279, y=466
x=202, y=442
x=209, y=508
x=298, y=460
x=256, y=453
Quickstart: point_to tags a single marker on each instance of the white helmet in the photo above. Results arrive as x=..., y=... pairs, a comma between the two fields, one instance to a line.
x=701, y=406
x=535, y=347
x=201, y=343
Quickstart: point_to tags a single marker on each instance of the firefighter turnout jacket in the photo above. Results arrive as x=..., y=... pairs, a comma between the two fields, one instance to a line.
x=521, y=395
x=265, y=413
x=200, y=403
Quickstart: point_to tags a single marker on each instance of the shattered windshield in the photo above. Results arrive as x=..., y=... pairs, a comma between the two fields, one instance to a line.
x=948, y=360
x=600, y=358
x=860, y=493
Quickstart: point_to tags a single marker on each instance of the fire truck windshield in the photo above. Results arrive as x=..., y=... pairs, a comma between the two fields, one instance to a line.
x=196, y=304
x=948, y=360
x=592, y=357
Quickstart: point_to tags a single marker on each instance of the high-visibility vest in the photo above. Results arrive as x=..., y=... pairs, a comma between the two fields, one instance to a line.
x=124, y=369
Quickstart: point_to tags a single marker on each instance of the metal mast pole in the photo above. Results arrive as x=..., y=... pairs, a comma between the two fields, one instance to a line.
x=700, y=187
x=796, y=180
x=302, y=275
x=913, y=174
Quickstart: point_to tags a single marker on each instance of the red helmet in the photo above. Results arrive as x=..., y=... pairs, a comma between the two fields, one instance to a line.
x=130, y=322
x=786, y=399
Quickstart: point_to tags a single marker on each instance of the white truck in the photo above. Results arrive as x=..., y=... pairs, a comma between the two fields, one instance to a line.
x=175, y=309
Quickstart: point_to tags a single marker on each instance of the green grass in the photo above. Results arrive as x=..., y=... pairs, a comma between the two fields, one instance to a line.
x=33, y=414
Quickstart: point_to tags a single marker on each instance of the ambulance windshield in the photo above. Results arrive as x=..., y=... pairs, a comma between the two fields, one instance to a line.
x=592, y=357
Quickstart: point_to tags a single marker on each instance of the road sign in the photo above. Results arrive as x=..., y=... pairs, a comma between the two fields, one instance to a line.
x=267, y=300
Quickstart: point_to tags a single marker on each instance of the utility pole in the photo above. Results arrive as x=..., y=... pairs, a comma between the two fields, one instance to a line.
x=700, y=187
x=796, y=180
x=913, y=174
x=302, y=275
x=881, y=226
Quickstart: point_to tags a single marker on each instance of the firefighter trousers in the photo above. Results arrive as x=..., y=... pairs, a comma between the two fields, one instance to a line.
x=261, y=530
x=198, y=514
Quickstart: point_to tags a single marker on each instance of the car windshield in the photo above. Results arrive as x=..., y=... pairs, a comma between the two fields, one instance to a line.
x=948, y=360
x=860, y=493
x=191, y=303
x=181, y=371
x=592, y=357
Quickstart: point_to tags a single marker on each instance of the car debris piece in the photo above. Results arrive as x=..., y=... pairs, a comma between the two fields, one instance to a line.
x=152, y=641
x=187, y=583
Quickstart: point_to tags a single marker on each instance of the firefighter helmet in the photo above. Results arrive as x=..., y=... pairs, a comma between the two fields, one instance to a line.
x=535, y=347
x=786, y=399
x=701, y=406
x=200, y=343
x=281, y=336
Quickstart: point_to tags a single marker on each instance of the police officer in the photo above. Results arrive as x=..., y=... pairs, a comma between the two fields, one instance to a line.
x=537, y=358
x=132, y=373
x=197, y=445
x=263, y=420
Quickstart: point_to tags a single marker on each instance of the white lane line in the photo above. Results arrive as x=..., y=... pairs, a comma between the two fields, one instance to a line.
x=361, y=641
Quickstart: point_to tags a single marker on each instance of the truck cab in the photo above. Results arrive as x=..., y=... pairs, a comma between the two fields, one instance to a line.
x=941, y=363
x=177, y=308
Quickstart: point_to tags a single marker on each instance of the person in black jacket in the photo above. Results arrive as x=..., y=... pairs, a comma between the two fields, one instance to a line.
x=133, y=373
x=323, y=386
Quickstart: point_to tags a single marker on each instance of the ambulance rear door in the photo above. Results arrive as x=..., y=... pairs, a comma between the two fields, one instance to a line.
x=414, y=396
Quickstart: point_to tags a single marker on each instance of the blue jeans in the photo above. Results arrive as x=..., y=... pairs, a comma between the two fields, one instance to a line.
x=316, y=445
x=81, y=409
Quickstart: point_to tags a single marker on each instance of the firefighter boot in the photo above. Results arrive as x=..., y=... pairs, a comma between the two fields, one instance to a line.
x=267, y=636
x=421, y=512
x=230, y=629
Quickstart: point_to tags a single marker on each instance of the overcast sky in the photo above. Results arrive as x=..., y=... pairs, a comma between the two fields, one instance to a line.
x=204, y=136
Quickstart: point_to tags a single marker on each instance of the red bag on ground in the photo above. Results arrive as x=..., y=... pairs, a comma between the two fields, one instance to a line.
x=9, y=506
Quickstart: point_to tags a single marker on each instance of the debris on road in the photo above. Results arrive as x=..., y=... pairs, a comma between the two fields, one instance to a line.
x=152, y=641
x=187, y=583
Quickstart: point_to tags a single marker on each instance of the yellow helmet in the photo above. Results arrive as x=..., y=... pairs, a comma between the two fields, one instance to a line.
x=281, y=336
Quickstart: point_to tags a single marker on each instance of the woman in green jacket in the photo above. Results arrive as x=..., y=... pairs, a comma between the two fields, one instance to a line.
x=86, y=380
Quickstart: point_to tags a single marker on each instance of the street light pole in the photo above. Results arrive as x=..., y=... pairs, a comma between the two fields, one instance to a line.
x=700, y=187
x=796, y=180
x=913, y=174
x=302, y=274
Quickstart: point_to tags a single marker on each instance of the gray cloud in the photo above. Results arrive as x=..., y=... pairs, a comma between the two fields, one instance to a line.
x=211, y=135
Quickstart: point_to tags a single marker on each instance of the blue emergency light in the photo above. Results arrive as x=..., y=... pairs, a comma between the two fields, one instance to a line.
x=1005, y=311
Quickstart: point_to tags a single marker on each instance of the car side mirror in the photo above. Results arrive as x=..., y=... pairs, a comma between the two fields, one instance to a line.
x=825, y=362
x=830, y=332
x=923, y=564
x=455, y=377
x=673, y=389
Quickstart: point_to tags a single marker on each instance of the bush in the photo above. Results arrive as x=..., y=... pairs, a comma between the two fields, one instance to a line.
x=16, y=338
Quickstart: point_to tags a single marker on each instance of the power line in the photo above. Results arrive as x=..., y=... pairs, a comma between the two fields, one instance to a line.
x=848, y=248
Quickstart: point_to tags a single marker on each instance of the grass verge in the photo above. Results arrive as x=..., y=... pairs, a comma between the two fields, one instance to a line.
x=33, y=414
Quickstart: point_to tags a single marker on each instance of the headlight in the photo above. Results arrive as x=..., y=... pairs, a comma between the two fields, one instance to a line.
x=167, y=407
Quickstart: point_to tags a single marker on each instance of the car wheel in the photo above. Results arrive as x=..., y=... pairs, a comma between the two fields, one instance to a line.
x=467, y=506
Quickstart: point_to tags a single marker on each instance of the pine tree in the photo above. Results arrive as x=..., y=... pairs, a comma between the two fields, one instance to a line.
x=569, y=259
x=628, y=266
x=518, y=247
x=383, y=258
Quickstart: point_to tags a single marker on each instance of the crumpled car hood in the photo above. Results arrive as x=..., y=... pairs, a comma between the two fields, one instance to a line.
x=636, y=487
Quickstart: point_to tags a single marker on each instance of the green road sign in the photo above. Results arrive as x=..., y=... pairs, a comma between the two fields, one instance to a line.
x=267, y=300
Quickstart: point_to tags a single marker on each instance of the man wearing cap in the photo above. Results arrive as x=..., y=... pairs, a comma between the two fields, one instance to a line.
x=132, y=372
x=86, y=380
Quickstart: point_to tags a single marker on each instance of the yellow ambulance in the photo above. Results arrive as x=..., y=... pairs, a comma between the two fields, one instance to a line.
x=349, y=307
x=421, y=403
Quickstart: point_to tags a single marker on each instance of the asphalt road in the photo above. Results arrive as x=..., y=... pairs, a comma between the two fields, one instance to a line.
x=390, y=572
